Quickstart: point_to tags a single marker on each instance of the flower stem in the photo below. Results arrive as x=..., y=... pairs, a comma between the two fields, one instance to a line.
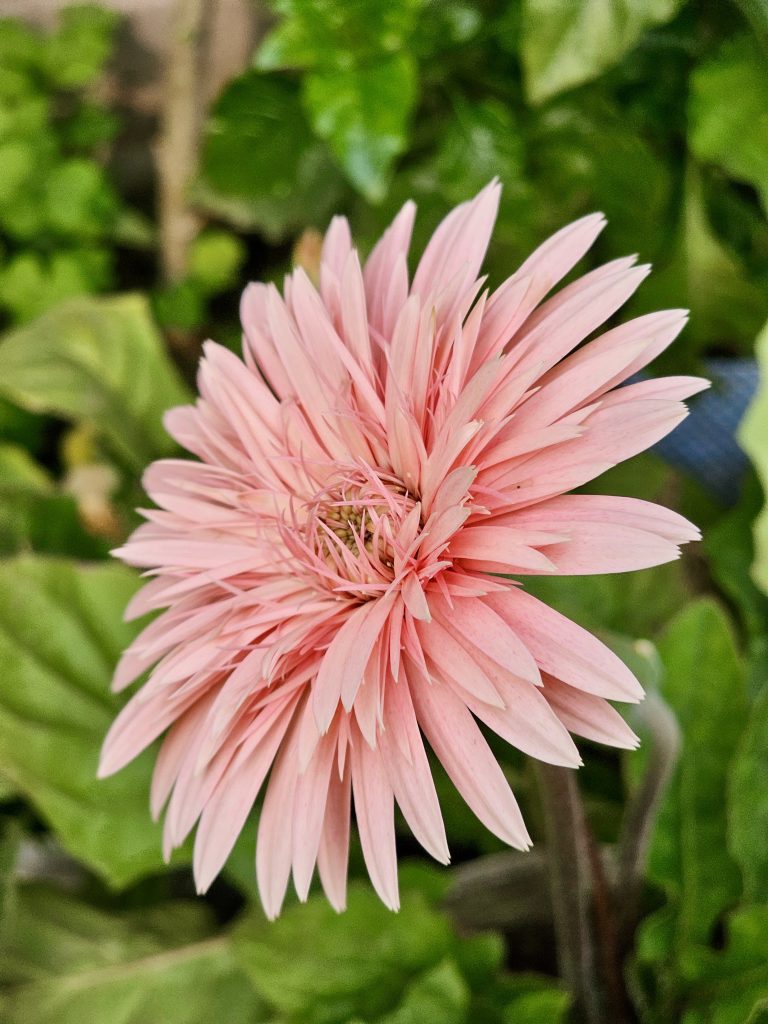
x=568, y=847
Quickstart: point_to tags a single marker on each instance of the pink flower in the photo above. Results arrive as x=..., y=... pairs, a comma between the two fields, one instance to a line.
x=333, y=563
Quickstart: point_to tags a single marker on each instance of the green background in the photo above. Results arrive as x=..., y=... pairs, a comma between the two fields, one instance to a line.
x=654, y=111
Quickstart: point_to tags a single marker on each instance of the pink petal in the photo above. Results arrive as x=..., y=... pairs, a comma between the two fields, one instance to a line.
x=564, y=649
x=411, y=777
x=588, y=716
x=309, y=813
x=341, y=670
x=275, y=834
x=230, y=804
x=459, y=243
x=333, y=853
x=374, y=810
x=528, y=723
x=468, y=760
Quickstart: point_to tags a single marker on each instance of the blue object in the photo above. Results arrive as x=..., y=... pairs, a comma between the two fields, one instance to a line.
x=705, y=445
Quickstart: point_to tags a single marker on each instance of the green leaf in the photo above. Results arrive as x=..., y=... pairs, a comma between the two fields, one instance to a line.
x=97, y=361
x=90, y=126
x=261, y=168
x=180, y=306
x=545, y=1005
x=752, y=435
x=439, y=996
x=756, y=13
x=704, y=685
x=33, y=514
x=748, y=803
x=79, y=200
x=364, y=113
x=317, y=967
x=727, y=308
x=31, y=283
x=729, y=548
x=17, y=158
x=61, y=632
x=20, y=474
x=568, y=42
x=590, y=156
x=76, y=53
x=325, y=33
x=723, y=987
x=728, y=112
x=67, y=963
x=489, y=131
x=215, y=260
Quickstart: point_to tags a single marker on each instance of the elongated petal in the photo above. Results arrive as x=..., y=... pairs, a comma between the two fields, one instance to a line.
x=467, y=758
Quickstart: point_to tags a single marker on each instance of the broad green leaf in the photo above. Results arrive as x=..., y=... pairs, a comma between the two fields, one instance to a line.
x=325, y=33
x=589, y=156
x=317, y=967
x=729, y=548
x=31, y=283
x=756, y=13
x=724, y=987
x=364, y=113
x=439, y=996
x=548, y=1005
x=728, y=112
x=69, y=963
x=261, y=167
x=748, y=804
x=19, y=473
x=727, y=308
x=61, y=632
x=98, y=361
x=752, y=435
x=489, y=131
x=704, y=684
x=34, y=514
x=568, y=42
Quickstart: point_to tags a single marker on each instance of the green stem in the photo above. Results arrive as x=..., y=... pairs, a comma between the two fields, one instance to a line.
x=570, y=885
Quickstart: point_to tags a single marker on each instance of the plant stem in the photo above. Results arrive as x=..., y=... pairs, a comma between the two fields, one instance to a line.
x=570, y=885
x=179, y=141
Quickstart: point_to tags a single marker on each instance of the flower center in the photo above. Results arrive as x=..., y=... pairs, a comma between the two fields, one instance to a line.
x=355, y=525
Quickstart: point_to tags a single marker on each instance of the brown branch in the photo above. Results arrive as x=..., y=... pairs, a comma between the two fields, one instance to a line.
x=179, y=141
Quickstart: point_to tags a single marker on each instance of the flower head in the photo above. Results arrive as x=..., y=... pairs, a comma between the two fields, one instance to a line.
x=342, y=565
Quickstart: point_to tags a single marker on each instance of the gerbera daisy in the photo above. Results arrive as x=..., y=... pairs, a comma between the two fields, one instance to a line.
x=342, y=564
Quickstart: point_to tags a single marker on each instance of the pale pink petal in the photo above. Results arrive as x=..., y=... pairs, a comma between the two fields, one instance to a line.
x=309, y=812
x=275, y=833
x=564, y=649
x=374, y=811
x=333, y=852
x=468, y=760
x=459, y=243
x=588, y=716
x=230, y=804
x=411, y=777
x=341, y=670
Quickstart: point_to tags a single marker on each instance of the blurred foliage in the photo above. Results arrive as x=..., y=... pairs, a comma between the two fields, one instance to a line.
x=655, y=111
x=60, y=216
x=754, y=432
